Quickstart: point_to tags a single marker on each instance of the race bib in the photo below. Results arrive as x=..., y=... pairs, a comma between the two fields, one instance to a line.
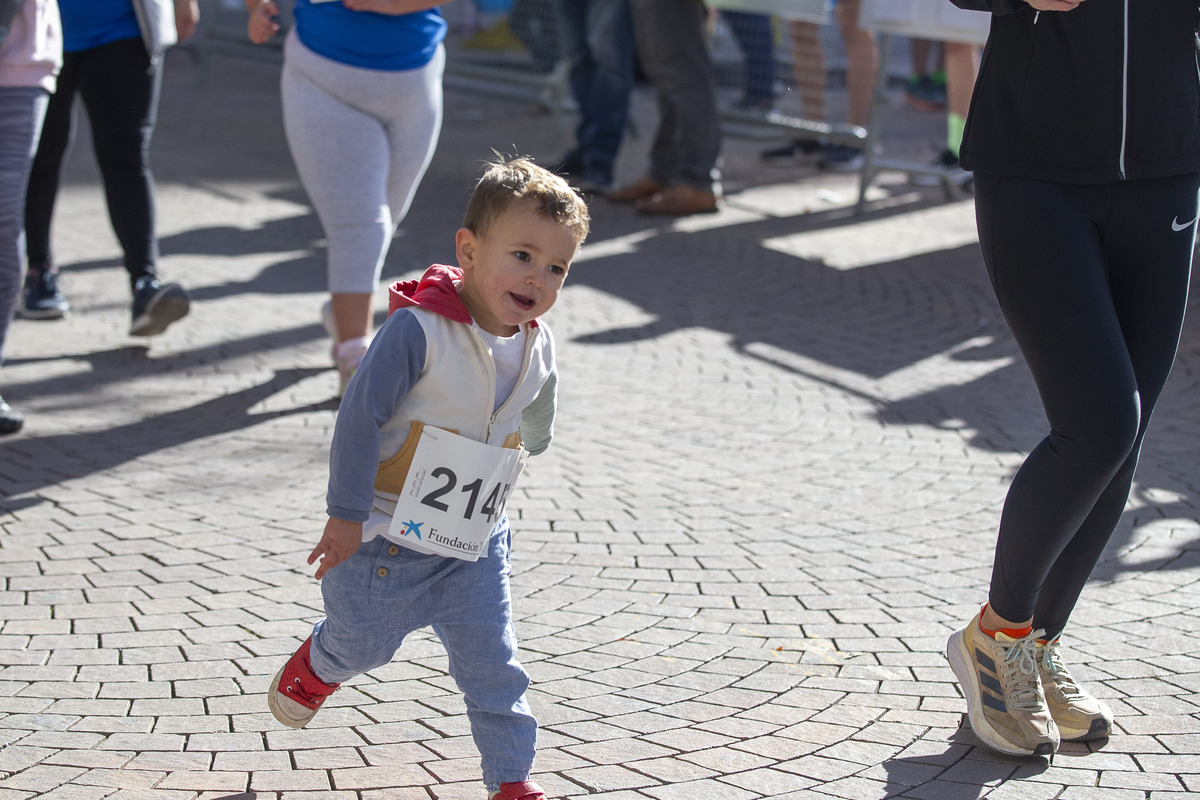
x=454, y=493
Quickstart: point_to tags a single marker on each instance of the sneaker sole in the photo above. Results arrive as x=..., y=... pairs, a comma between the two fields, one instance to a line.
x=273, y=703
x=968, y=680
x=41, y=313
x=159, y=314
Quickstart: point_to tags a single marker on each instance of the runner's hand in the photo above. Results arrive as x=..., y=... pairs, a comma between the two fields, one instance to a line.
x=338, y=542
x=263, y=22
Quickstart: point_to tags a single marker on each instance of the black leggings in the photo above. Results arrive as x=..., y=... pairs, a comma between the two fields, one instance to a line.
x=119, y=88
x=1093, y=282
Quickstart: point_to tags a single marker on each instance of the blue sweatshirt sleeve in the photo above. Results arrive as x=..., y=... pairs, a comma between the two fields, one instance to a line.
x=388, y=372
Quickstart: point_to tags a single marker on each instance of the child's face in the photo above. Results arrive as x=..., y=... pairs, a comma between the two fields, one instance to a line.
x=512, y=273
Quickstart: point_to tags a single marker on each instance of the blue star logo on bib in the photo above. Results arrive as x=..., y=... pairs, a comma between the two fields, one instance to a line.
x=413, y=528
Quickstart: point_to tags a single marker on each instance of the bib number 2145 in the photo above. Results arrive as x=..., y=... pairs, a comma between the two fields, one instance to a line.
x=454, y=493
x=491, y=507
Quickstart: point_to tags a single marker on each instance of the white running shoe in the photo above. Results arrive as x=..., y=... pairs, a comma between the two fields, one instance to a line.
x=999, y=679
x=1080, y=716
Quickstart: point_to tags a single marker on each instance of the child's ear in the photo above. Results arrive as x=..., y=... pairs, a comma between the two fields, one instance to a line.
x=465, y=244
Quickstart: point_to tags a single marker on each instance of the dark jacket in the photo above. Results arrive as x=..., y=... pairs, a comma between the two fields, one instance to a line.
x=1085, y=97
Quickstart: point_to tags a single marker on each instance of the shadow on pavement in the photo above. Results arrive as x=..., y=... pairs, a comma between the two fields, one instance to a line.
x=860, y=330
x=36, y=463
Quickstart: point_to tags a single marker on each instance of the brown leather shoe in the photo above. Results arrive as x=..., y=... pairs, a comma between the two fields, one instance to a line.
x=680, y=200
x=645, y=187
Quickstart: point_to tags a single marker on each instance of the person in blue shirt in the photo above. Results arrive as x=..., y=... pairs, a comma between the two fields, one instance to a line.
x=107, y=64
x=362, y=110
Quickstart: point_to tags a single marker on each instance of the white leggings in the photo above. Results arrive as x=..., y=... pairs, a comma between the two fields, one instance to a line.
x=361, y=140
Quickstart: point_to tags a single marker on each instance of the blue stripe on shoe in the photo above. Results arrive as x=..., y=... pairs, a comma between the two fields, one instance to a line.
x=996, y=703
x=991, y=683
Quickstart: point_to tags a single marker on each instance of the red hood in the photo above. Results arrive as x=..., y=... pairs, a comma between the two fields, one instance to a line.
x=435, y=291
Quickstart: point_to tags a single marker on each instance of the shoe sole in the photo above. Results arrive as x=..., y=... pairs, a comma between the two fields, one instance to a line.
x=968, y=680
x=40, y=314
x=161, y=311
x=273, y=703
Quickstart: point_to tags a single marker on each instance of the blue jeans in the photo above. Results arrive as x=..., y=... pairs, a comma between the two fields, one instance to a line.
x=670, y=42
x=754, y=37
x=384, y=592
x=21, y=111
x=596, y=38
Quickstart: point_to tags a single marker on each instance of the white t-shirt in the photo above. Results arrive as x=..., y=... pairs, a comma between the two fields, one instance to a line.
x=507, y=352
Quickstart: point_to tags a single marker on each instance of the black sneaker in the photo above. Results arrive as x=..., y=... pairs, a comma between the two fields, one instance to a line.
x=840, y=158
x=796, y=150
x=156, y=306
x=41, y=298
x=10, y=419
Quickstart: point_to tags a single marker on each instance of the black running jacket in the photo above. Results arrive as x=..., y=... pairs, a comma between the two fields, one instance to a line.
x=1109, y=91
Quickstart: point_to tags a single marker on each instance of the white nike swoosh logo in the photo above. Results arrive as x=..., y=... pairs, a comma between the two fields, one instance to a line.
x=1175, y=226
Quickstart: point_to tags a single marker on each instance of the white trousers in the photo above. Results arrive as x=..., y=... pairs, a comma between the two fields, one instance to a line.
x=361, y=140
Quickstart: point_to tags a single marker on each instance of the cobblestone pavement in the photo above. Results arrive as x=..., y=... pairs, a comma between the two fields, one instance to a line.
x=784, y=437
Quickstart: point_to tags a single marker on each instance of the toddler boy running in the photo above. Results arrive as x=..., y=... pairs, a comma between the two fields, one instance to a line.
x=462, y=351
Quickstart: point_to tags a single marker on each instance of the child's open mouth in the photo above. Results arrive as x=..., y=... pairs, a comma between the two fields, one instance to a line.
x=522, y=301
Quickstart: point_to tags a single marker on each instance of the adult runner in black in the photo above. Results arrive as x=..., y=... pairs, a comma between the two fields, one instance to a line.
x=1084, y=139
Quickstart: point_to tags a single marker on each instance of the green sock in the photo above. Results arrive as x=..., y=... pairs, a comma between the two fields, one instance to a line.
x=954, y=132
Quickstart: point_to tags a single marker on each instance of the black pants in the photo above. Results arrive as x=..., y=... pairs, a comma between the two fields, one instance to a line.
x=119, y=88
x=1093, y=282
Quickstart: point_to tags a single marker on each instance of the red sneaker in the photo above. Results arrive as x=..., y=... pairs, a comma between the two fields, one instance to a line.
x=525, y=790
x=296, y=692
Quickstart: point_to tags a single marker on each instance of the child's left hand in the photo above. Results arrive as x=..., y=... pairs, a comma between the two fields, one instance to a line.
x=339, y=541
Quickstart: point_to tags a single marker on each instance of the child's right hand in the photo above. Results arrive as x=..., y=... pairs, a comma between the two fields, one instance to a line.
x=263, y=23
x=338, y=542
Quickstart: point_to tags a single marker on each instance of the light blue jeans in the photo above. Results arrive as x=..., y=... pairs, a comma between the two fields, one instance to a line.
x=21, y=112
x=384, y=592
